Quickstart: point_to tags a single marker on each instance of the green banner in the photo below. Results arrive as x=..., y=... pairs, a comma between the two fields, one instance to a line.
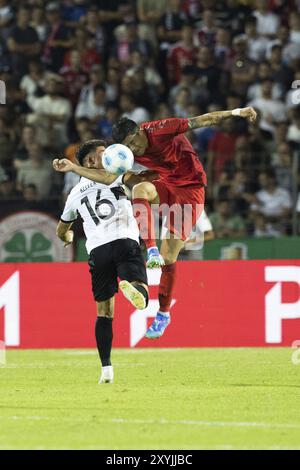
x=248, y=248
x=253, y=248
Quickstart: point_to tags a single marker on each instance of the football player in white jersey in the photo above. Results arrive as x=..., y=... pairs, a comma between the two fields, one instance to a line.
x=112, y=241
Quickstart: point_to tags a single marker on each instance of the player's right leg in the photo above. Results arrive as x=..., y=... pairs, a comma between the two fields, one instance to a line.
x=144, y=194
x=104, y=337
x=170, y=249
x=105, y=286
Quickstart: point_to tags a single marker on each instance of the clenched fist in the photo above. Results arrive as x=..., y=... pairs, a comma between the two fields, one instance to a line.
x=63, y=165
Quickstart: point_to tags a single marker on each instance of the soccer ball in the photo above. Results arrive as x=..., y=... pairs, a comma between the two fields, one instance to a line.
x=118, y=159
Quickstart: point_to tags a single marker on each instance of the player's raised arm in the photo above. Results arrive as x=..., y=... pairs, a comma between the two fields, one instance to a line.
x=100, y=176
x=215, y=118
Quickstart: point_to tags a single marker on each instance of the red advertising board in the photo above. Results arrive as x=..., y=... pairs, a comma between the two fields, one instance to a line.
x=216, y=304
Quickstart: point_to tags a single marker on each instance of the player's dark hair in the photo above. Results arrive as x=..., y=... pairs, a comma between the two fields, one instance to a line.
x=88, y=147
x=123, y=128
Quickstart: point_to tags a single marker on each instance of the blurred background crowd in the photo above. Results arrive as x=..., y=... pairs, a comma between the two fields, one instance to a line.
x=73, y=67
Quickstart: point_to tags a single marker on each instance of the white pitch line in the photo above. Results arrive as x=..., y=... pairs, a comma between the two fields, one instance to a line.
x=162, y=422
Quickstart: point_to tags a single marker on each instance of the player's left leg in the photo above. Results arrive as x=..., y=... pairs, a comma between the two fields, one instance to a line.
x=136, y=292
x=132, y=272
x=170, y=249
x=104, y=337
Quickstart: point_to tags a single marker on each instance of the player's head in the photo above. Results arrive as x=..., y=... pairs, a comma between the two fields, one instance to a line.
x=90, y=153
x=128, y=133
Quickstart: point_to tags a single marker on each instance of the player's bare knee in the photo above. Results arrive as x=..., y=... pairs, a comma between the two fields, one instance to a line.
x=168, y=256
x=169, y=260
x=105, y=309
x=144, y=190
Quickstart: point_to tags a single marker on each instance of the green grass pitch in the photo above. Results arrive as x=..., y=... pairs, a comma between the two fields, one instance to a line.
x=161, y=399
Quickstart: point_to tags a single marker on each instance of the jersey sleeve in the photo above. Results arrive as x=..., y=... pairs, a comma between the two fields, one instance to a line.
x=171, y=127
x=69, y=214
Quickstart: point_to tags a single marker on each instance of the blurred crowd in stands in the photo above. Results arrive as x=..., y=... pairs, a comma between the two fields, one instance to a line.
x=73, y=67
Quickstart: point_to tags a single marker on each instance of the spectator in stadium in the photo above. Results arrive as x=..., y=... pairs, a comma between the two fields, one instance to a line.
x=205, y=34
x=267, y=22
x=82, y=127
x=208, y=75
x=131, y=110
x=171, y=23
x=187, y=80
x=38, y=22
x=272, y=111
x=72, y=11
x=290, y=50
x=283, y=166
x=243, y=69
x=263, y=229
x=223, y=47
x=271, y=200
x=181, y=104
x=232, y=14
x=104, y=126
x=28, y=137
x=294, y=24
x=7, y=144
x=152, y=77
x=36, y=170
x=6, y=15
x=74, y=78
x=221, y=149
x=257, y=44
x=8, y=191
x=264, y=72
x=112, y=83
x=86, y=48
x=225, y=223
x=281, y=73
x=33, y=82
x=94, y=110
x=95, y=30
x=181, y=55
x=50, y=114
x=128, y=41
x=23, y=42
x=113, y=13
x=150, y=11
x=204, y=135
x=96, y=77
x=58, y=38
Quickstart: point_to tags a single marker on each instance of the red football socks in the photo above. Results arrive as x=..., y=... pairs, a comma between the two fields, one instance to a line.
x=143, y=214
x=166, y=287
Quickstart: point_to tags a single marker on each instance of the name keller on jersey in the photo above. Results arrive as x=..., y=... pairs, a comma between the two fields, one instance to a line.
x=88, y=186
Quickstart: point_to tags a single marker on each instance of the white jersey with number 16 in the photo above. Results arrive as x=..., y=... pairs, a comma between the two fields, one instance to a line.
x=105, y=210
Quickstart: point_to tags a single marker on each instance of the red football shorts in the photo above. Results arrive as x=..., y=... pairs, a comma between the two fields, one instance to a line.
x=180, y=207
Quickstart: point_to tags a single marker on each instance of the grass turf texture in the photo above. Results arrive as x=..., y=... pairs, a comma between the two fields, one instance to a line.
x=161, y=399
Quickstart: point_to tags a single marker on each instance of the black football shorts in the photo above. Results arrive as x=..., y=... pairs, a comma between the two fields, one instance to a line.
x=118, y=259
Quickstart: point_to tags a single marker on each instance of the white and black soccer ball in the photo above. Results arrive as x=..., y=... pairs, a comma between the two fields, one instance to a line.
x=118, y=159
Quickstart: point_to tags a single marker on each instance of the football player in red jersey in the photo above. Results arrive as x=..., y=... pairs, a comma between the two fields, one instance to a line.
x=162, y=146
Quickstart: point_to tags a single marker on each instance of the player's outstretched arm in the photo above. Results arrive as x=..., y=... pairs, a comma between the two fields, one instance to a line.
x=100, y=176
x=215, y=118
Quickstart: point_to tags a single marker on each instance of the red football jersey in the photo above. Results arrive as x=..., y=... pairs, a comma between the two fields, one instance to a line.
x=171, y=154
